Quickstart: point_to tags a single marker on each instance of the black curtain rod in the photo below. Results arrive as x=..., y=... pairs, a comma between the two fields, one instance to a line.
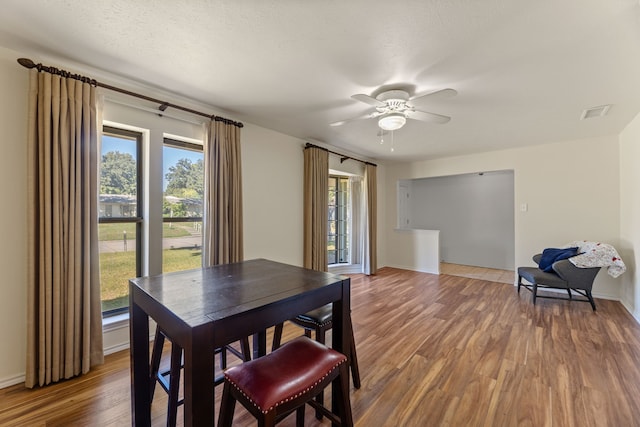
x=27, y=63
x=342, y=156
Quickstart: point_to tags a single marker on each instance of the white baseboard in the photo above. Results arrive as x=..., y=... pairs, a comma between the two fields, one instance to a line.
x=9, y=381
x=415, y=268
x=116, y=348
x=630, y=310
x=345, y=268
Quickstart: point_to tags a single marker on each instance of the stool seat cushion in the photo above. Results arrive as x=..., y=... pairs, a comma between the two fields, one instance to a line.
x=319, y=316
x=284, y=374
x=535, y=275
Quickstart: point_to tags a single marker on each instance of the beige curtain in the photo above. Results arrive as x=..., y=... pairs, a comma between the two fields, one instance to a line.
x=64, y=324
x=316, y=200
x=369, y=261
x=222, y=225
x=357, y=213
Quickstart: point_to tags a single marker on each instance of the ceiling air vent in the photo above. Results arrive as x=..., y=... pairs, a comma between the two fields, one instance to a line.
x=595, y=112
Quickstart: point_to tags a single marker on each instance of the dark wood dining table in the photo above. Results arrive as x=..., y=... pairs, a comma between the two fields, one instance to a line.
x=204, y=309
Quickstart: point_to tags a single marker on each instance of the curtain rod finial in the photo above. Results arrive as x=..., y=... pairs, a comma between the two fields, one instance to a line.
x=26, y=62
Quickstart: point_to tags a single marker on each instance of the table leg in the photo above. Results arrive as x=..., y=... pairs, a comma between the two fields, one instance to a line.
x=340, y=339
x=140, y=385
x=199, y=388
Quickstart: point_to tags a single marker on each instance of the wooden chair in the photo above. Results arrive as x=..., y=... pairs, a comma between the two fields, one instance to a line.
x=170, y=379
x=285, y=380
x=320, y=321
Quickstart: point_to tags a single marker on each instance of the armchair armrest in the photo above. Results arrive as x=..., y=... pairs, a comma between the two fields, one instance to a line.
x=536, y=258
x=578, y=278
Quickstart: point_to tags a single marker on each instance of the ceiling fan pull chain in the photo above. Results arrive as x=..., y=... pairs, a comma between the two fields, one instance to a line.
x=392, y=140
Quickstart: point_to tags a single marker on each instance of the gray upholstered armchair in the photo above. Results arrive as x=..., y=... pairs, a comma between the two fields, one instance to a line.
x=565, y=275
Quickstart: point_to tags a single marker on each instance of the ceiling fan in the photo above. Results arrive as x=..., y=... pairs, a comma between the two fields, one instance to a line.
x=394, y=107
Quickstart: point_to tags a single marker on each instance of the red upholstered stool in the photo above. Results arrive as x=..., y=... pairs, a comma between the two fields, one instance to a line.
x=273, y=386
x=320, y=321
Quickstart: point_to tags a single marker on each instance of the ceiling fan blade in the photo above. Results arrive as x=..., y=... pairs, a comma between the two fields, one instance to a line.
x=368, y=100
x=364, y=116
x=427, y=117
x=438, y=94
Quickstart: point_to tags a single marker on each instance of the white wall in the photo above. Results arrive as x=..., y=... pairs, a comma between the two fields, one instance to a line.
x=13, y=188
x=630, y=215
x=571, y=188
x=272, y=174
x=420, y=250
x=474, y=213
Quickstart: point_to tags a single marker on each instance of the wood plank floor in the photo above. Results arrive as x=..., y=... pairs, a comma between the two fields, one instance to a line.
x=433, y=351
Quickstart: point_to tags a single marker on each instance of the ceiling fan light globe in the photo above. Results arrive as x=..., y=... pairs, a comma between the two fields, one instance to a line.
x=392, y=121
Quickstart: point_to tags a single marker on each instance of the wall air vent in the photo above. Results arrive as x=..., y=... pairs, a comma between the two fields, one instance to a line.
x=595, y=112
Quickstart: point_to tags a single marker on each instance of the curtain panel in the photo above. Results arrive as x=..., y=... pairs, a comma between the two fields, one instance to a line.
x=370, y=246
x=64, y=324
x=316, y=201
x=222, y=216
x=357, y=213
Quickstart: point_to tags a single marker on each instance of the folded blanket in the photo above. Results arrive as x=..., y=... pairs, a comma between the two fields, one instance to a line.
x=596, y=254
x=551, y=255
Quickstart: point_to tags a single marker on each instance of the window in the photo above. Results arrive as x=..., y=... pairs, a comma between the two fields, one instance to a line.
x=183, y=188
x=120, y=220
x=338, y=226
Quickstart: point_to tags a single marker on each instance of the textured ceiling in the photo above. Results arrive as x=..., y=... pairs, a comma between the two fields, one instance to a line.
x=524, y=70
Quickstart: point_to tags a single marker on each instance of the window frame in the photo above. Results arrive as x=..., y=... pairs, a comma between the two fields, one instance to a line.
x=138, y=220
x=190, y=146
x=338, y=247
